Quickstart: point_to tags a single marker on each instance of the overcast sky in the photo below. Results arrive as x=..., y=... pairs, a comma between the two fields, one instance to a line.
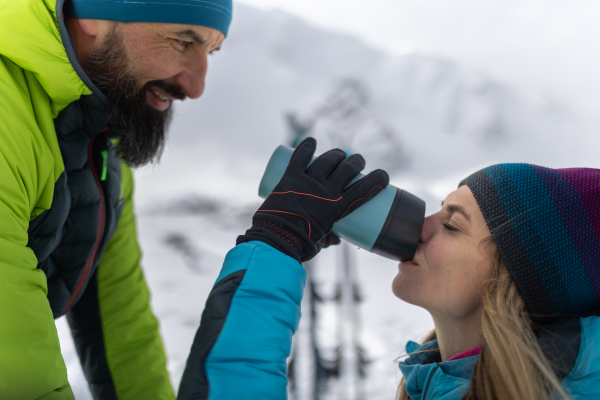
x=551, y=47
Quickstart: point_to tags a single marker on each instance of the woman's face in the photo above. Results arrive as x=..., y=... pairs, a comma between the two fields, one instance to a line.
x=446, y=275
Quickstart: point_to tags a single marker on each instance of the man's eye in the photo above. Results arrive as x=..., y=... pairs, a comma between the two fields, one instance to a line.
x=183, y=43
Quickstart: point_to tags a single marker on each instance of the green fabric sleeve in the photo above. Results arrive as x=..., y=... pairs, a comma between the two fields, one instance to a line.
x=31, y=364
x=134, y=349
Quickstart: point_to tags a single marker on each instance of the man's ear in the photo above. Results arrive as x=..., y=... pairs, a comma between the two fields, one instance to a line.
x=86, y=34
x=91, y=27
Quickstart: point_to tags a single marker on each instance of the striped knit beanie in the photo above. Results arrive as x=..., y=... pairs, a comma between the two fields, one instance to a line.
x=210, y=13
x=546, y=225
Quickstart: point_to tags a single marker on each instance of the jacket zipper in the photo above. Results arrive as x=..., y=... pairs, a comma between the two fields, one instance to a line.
x=90, y=261
x=430, y=374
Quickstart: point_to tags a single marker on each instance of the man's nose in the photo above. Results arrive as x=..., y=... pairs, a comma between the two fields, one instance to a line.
x=192, y=79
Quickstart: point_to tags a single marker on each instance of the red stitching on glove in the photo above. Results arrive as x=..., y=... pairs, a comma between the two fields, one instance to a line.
x=298, y=215
x=306, y=194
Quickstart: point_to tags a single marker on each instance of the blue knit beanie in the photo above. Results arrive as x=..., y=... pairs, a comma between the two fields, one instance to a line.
x=210, y=13
x=546, y=225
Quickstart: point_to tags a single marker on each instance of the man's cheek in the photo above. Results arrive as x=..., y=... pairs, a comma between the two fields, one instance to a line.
x=155, y=66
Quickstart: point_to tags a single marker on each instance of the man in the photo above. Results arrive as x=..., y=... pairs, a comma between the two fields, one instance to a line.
x=85, y=94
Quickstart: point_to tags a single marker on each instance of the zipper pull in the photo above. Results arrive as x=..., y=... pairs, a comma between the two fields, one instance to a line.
x=104, y=164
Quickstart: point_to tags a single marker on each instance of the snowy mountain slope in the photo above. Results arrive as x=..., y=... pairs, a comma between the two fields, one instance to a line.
x=441, y=113
x=445, y=122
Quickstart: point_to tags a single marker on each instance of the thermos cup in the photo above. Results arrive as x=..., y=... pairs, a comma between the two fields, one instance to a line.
x=389, y=224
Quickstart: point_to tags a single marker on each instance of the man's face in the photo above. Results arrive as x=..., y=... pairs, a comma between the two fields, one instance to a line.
x=142, y=68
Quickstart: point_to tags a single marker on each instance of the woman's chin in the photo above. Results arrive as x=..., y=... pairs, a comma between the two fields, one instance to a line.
x=404, y=287
x=399, y=286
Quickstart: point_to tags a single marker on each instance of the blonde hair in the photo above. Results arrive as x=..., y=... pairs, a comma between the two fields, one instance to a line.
x=511, y=364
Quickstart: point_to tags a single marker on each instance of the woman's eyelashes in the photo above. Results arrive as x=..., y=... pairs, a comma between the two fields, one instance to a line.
x=449, y=225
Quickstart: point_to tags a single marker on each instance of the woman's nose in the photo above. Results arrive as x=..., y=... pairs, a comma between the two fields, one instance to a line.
x=428, y=229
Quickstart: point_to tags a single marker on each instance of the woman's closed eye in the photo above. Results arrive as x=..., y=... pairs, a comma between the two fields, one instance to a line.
x=451, y=226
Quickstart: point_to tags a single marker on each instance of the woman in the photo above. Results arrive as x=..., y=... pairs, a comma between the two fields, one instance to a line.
x=505, y=268
x=509, y=270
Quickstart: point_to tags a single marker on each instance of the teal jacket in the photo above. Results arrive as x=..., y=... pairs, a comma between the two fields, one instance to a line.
x=574, y=345
x=246, y=331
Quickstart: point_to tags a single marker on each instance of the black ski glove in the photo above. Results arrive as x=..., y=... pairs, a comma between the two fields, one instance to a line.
x=305, y=204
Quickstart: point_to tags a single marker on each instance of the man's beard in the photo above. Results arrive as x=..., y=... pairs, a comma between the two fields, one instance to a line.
x=145, y=127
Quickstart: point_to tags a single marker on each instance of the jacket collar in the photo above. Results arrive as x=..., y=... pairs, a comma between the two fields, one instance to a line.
x=68, y=46
x=36, y=40
x=561, y=342
x=417, y=369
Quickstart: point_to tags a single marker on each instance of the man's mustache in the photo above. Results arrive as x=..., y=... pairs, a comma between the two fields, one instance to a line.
x=170, y=89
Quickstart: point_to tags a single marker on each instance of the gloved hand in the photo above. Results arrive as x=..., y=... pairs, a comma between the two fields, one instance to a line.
x=305, y=204
x=330, y=240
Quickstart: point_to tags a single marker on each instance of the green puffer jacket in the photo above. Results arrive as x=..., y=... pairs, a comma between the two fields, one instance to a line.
x=68, y=242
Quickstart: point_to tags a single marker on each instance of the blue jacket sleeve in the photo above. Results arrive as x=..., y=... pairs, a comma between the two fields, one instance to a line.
x=245, y=334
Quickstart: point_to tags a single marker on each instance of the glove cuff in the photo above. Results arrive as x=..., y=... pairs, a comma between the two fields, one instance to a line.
x=282, y=233
x=275, y=236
